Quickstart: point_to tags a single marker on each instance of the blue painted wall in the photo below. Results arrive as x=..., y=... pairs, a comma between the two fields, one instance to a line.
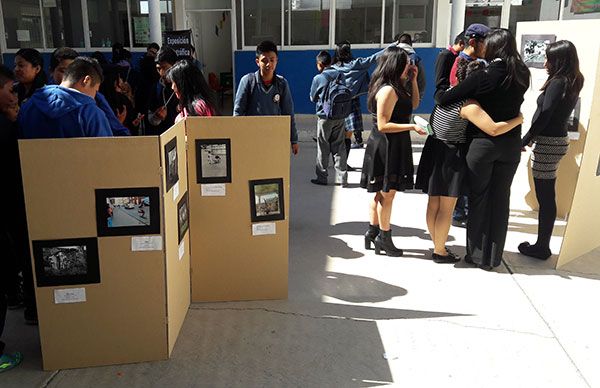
x=298, y=67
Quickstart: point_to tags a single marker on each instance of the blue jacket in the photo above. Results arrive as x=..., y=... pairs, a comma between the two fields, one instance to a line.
x=57, y=112
x=318, y=88
x=357, y=71
x=254, y=99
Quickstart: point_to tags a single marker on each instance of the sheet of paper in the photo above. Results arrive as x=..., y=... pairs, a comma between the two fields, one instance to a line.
x=573, y=135
x=146, y=243
x=69, y=295
x=213, y=190
x=23, y=36
x=175, y=191
x=181, y=249
x=263, y=228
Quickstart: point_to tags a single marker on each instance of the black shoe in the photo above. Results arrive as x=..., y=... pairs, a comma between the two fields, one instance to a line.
x=357, y=145
x=318, y=182
x=383, y=242
x=30, y=315
x=468, y=260
x=459, y=223
x=448, y=259
x=534, y=251
x=370, y=235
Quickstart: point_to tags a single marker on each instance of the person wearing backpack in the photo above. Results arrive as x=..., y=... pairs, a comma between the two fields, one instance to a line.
x=264, y=93
x=333, y=101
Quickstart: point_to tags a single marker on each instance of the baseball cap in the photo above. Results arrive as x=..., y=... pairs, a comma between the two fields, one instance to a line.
x=477, y=30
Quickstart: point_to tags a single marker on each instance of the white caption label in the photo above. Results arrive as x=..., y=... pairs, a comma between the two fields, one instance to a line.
x=175, y=191
x=181, y=249
x=263, y=229
x=146, y=243
x=213, y=190
x=69, y=295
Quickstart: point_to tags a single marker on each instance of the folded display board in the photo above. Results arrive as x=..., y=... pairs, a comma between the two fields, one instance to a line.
x=133, y=309
x=228, y=260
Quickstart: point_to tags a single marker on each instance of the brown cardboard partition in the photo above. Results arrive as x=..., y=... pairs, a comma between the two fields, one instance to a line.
x=129, y=314
x=228, y=262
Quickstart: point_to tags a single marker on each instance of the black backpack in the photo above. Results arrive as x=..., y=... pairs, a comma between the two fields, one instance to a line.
x=337, y=101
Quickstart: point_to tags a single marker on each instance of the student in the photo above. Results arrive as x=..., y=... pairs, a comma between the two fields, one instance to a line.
x=68, y=109
x=548, y=133
x=265, y=93
x=59, y=61
x=475, y=36
x=445, y=60
x=194, y=96
x=162, y=106
x=330, y=132
x=492, y=161
x=405, y=43
x=442, y=166
x=388, y=163
x=148, y=78
x=29, y=72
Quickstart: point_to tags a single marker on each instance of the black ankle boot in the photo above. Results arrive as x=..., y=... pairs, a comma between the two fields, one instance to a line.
x=534, y=251
x=383, y=242
x=370, y=235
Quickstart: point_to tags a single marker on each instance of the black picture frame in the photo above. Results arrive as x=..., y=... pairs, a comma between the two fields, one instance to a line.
x=66, y=262
x=171, y=163
x=183, y=216
x=206, y=169
x=533, y=49
x=144, y=212
x=265, y=212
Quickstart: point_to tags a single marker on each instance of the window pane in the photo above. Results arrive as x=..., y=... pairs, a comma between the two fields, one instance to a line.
x=108, y=22
x=22, y=23
x=262, y=21
x=358, y=21
x=309, y=21
x=532, y=10
x=63, y=23
x=488, y=15
x=141, y=21
x=414, y=17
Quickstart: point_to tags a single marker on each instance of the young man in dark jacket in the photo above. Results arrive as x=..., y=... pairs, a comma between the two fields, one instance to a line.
x=162, y=106
x=445, y=60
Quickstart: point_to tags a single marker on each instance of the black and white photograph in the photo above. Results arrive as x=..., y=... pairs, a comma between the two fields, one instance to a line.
x=127, y=211
x=171, y=163
x=183, y=216
x=266, y=200
x=213, y=160
x=533, y=49
x=65, y=262
x=573, y=121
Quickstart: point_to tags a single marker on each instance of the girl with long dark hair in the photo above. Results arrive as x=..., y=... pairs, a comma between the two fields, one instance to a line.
x=492, y=161
x=192, y=90
x=29, y=72
x=388, y=164
x=548, y=133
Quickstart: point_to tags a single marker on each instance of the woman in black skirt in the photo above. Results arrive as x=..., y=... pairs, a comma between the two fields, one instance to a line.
x=442, y=167
x=388, y=164
x=548, y=133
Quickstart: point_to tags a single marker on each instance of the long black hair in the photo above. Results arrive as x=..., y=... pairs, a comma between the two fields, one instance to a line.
x=191, y=85
x=343, y=52
x=390, y=66
x=500, y=43
x=35, y=58
x=563, y=62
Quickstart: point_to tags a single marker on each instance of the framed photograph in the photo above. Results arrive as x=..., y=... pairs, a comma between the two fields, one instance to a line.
x=171, y=163
x=66, y=262
x=183, y=220
x=127, y=211
x=266, y=200
x=573, y=120
x=213, y=161
x=533, y=49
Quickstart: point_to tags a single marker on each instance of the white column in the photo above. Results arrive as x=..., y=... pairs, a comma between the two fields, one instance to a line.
x=154, y=16
x=457, y=24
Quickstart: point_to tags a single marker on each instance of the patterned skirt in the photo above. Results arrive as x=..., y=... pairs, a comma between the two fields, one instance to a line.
x=547, y=153
x=354, y=120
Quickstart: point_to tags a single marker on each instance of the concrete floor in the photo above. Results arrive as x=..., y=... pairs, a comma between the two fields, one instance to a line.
x=354, y=319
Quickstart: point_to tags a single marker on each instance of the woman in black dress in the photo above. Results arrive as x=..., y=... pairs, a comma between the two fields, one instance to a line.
x=388, y=164
x=492, y=161
x=548, y=133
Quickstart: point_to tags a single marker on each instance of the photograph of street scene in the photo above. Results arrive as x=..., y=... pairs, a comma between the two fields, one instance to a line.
x=65, y=261
x=127, y=211
x=266, y=198
x=214, y=160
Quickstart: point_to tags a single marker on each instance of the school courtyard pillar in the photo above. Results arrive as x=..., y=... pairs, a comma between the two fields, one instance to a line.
x=154, y=15
x=457, y=24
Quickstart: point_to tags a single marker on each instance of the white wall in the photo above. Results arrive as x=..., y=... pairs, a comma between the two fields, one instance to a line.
x=213, y=50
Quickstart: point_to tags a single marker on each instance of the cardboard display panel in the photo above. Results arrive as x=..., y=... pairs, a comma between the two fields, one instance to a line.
x=123, y=318
x=177, y=253
x=576, y=177
x=228, y=262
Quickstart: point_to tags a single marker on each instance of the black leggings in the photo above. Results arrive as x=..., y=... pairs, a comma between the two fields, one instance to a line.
x=546, y=197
